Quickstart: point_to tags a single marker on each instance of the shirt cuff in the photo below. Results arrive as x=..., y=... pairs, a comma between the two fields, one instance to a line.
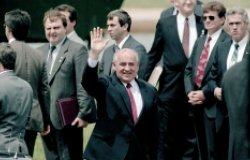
x=92, y=62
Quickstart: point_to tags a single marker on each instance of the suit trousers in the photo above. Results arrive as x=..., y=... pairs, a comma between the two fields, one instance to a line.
x=64, y=144
x=177, y=127
x=30, y=139
x=217, y=139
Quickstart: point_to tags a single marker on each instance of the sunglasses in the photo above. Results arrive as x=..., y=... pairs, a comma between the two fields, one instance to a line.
x=211, y=18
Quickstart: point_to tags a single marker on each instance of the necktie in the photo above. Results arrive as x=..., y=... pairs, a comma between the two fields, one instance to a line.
x=185, y=38
x=235, y=55
x=132, y=102
x=202, y=63
x=116, y=48
x=50, y=58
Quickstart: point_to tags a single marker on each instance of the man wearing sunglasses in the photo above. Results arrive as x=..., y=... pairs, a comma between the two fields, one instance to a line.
x=196, y=77
x=228, y=54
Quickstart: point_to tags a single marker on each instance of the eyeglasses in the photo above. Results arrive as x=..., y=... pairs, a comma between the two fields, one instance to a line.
x=211, y=18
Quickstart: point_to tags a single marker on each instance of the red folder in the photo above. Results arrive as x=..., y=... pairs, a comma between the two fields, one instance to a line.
x=67, y=109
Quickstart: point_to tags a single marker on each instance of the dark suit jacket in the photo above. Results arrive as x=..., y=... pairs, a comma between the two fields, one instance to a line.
x=31, y=66
x=236, y=90
x=115, y=132
x=191, y=70
x=169, y=11
x=219, y=66
x=65, y=79
x=15, y=103
x=106, y=62
x=168, y=45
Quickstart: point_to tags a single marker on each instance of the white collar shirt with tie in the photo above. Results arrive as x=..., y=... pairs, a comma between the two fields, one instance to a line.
x=192, y=30
x=137, y=96
x=242, y=45
x=55, y=53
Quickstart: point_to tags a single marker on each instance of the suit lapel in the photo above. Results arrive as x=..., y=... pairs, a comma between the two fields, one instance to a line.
x=221, y=38
x=109, y=58
x=124, y=96
x=247, y=49
x=59, y=59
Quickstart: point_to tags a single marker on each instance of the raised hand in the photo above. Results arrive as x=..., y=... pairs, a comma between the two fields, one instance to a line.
x=98, y=43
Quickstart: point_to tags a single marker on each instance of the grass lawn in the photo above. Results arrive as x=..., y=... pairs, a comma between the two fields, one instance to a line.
x=39, y=154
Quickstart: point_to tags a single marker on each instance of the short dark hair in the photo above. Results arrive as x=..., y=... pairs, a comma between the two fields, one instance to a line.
x=7, y=56
x=70, y=9
x=215, y=6
x=54, y=15
x=19, y=22
x=123, y=17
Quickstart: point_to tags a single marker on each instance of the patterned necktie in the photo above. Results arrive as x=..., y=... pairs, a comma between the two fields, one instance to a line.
x=202, y=63
x=185, y=38
x=132, y=102
x=50, y=58
x=235, y=55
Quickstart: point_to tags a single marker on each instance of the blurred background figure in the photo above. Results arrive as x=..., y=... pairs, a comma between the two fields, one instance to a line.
x=236, y=87
x=71, y=15
x=15, y=102
x=30, y=66
x=119, y=24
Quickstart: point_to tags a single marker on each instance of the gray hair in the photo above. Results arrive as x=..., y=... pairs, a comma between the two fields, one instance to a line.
x=121, y=51
x=240, y=11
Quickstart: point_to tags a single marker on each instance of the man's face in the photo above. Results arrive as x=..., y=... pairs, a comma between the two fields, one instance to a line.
x=185, y=7
x=54, y=31
x=116, y=31
x=126, y=66
x=212, y=21
x=237, y=27
x=70, y=25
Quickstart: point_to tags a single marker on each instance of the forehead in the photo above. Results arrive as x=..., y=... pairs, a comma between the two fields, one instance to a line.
x=53, y=21
x=210, y=12
x=114, y=19
x=126, y=57
x=235, y=18
x=183, y=1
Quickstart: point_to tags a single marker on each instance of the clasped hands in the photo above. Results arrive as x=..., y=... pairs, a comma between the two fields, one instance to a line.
x=196, y=97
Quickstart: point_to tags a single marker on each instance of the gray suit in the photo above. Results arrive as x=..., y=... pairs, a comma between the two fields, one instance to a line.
x=65, y=81
x=31, y=66
x=106, y=62
x=15, y=103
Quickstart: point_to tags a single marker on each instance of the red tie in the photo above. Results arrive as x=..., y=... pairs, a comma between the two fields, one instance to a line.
x=185, y=38
x=202, y=63
x=132, y=102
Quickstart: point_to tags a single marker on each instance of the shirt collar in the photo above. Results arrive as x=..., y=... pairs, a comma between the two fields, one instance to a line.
x=216, y=34
x=243, y=41
x=123, y=41
x=59, y=44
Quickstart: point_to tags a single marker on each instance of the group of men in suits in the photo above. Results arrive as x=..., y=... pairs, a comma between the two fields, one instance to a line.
x=194, y=119
x=53, y=75
x=16, y=98
x=185, y=119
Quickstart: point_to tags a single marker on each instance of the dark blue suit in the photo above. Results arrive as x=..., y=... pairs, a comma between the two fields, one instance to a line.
x=167, y=45
x=115, y=136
